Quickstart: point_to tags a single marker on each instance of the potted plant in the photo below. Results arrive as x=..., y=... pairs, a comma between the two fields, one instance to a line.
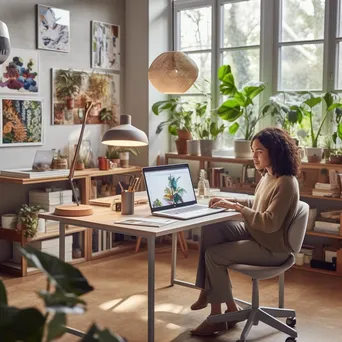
x=113, y=155
x=207, y=129
x=179, y=122
x=68, y=85
x=124, y=155
x=239, y=105
x=28, y=219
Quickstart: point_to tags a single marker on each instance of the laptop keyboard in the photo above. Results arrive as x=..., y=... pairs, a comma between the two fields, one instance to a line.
x=186, y=209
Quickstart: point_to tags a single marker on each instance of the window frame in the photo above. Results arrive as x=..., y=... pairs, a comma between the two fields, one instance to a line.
x=270, y=45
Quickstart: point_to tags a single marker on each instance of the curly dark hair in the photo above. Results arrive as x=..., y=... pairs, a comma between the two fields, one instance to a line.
x=282, y=150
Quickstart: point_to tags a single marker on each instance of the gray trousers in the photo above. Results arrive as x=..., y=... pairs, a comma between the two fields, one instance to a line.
x=224, y=244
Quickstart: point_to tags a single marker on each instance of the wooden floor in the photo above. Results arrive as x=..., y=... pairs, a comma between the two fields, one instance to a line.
x=119, y=300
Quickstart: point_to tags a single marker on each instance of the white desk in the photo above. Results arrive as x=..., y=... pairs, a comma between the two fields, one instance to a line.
x=104, y=218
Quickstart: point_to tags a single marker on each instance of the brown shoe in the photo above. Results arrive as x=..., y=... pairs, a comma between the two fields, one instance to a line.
x=207, y=329
x=232, y=324
x=201, y=303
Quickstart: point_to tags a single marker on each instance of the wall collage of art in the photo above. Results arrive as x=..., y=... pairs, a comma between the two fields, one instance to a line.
x=21, y=107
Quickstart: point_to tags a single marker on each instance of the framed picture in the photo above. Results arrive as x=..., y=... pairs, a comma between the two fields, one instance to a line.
x=21, y=121
x=72, y=89
x=53, y=29
x=105, y=46
x=19, y=74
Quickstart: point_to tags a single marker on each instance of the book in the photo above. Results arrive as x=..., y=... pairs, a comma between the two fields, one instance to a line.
x=29, y=173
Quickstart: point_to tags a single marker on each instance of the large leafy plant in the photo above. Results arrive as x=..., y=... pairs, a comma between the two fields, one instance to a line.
x=239, y=104
x=301, y=107
x=179, y=116
x=65, y=286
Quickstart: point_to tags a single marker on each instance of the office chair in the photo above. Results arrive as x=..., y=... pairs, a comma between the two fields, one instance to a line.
x=254, y=313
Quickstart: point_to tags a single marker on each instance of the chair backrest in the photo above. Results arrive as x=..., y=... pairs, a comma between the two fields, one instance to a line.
x=297, y=229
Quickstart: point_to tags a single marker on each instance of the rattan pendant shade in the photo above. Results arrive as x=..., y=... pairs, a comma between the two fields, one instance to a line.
x=173, y=72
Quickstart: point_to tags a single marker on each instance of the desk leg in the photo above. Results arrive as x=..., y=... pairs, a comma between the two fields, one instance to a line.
x=173, y=258
x=151, y=287
x=62, y=241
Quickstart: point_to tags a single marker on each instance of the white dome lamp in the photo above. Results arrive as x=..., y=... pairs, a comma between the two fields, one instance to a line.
x=5, y=45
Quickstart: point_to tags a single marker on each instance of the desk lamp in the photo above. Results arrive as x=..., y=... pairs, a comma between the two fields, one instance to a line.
x=76, y=210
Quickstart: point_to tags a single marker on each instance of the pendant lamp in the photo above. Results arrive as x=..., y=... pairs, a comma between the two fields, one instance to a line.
x=5, y=45
x=173, y=72
x=125, y=134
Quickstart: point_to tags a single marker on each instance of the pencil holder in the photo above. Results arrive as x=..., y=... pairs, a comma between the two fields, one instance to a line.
x=127, y=203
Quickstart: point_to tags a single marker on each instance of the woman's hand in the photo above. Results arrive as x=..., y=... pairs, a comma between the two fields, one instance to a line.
x=224, y=203
x=218, y=199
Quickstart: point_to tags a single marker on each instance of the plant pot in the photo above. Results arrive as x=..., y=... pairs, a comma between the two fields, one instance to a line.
x=207, y=147
x=79, y=166
x=8, y=221
x=183, y=134
x=70, y=104
x=124, y=159
x=314, y=154
x=182, y=146
x=334, y=159
x=194, y=147
x=242, y=148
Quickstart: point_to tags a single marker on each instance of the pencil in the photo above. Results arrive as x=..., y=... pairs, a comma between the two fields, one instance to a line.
x=122, y=188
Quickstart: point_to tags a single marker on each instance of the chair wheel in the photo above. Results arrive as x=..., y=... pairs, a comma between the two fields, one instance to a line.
x=290, y=339
x=291, y=322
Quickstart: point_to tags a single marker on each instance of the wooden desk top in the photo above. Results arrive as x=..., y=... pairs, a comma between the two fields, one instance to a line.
x=104, y=218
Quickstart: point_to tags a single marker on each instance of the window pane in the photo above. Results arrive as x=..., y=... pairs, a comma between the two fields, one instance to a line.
x=302, y=20
x=245, y=65
x=339, y=66
x=195, y=29
x=203, y=61
x=241, y=23
x=301, y=67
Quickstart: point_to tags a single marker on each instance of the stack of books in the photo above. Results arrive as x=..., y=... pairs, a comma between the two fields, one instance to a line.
x=327, y=227
x=326, y=190
x=49, y=201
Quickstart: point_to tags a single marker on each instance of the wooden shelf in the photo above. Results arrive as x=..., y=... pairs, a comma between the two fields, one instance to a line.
x=330, y=236
x=14, y=236
x=305, y=164
x=317, y=270
x=78, y=175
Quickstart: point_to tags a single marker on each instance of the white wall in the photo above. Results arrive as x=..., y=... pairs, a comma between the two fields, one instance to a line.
x=20, y=17
x=147, y=32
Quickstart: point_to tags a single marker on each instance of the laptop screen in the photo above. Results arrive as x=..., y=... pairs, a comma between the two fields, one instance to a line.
x=169, y=186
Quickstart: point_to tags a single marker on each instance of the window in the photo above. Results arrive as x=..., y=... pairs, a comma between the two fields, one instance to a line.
x=292, y=45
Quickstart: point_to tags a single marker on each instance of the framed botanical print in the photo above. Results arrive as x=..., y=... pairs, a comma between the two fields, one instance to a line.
x=21, y=121
x=105, y=43
x=53, y=29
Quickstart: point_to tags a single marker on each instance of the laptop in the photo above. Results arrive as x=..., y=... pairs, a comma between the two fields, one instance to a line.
x=171, y=193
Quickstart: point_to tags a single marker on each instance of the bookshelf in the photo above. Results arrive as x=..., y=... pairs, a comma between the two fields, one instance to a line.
x=84, y=179
x=205, y=162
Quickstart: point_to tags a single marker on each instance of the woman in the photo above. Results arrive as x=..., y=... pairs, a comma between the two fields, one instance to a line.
x=261, y=238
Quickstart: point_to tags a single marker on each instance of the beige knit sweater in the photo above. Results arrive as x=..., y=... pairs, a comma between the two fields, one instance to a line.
x=272, y=211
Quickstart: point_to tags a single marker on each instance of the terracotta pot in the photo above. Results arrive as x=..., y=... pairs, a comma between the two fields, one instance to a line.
x=182, y=146
x=70, y=103
x=103, y=163
x=183, y=134
x=79, y=166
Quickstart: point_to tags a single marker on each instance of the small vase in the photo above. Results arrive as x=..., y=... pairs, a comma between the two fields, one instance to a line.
x=124, y=159
x=193, y=147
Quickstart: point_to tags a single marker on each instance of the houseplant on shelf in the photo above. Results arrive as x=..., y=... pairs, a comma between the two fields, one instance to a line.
x=28, y=220
x=113, y=155
x=207, y=129
x=179, y=121
x=239, y=105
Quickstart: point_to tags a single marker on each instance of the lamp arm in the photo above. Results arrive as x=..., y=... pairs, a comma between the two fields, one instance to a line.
x=89, y=105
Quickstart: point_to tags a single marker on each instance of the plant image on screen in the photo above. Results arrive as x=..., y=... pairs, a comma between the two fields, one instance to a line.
x=174, y=193
x=157, y=203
